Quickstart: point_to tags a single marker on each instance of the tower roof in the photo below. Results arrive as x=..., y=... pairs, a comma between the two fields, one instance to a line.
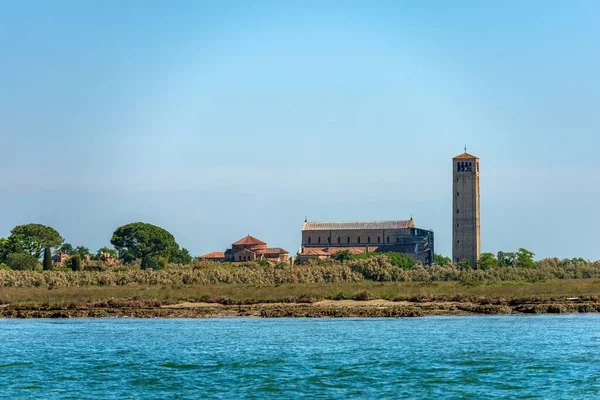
x=466, y=155
x=249, y=240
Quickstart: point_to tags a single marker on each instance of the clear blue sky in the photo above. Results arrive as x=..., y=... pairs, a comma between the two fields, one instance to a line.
x=220, y=119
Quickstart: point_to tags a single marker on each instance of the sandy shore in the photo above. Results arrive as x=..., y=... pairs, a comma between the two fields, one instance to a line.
x=319, y=309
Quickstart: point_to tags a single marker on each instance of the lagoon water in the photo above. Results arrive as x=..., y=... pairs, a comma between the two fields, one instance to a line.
x=550, y=357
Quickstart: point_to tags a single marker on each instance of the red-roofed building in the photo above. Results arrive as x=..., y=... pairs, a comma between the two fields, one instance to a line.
x=323, y=239
x=249, y=249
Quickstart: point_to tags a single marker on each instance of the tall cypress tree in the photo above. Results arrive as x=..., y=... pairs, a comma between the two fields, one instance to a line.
x=47, y=259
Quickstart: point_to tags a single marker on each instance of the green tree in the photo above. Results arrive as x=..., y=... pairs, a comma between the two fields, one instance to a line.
x=47, y=264
x=182, y=256
x=65, y=247
x=22, y=261
x=19, y=244
x=464, y=264
x=4, y=250
x=487, y=260
x=525, y=258
x=342, y=255
x=154, y=262
x=81, y=250
x=143, y=241
x=400, y=260
x=263, y=262
x=75, y=261
x=45, y=236
x=506, y=259
x=441, y=260
x=103, y=251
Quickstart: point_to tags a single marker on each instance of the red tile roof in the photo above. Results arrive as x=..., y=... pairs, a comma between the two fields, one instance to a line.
x=466, y=155
x=249, y=240
x=327, y=251
x=214, y=254
x=274, y=250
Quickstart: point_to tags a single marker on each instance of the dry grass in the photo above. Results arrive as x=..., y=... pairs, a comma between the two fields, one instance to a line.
x=588, y=289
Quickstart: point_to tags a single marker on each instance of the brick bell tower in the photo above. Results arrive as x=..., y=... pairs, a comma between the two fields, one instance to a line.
x=466, y=243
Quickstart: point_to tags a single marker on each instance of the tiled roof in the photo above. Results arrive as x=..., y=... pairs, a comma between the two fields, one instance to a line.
x=326, y=251
x=327, y=226
x=214, y=254
x=249, y=240
x=466, y=155
x=273, y=250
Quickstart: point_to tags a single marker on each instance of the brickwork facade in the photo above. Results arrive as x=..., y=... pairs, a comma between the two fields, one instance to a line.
x=322, y=239
x=466, y=242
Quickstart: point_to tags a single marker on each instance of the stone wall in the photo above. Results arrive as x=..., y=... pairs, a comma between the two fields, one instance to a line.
x=465, y=211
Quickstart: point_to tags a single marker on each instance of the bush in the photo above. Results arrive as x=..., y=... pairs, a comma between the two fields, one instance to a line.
x=377, y=268
x=4, y=266
x=22, y=261
x=150, y=262
x=75, y=262
x=399, y=260
x=47, y=264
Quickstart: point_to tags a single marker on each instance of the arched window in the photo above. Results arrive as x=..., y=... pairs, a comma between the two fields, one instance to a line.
x=457, y=167
x=470, y=166
x=378, y=239
x=359, y=239
x=388, y=239
x=348, y=239
x=339, y=240
x=457, y=210
x=368, y=239
x=309, y=240
x=319, y=239
x=329, y=239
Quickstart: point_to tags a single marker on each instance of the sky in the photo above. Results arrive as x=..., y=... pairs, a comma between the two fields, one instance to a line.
x=215, y=120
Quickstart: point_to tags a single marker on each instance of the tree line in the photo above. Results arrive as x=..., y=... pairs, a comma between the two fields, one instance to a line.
x=152, y=245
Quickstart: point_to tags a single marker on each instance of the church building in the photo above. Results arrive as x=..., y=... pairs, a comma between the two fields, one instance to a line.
x=322, y=239
x=249, y=249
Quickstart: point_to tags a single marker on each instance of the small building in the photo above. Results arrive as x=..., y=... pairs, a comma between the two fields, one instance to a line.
x=249, y=249
x=322, y=239
x=60, y=258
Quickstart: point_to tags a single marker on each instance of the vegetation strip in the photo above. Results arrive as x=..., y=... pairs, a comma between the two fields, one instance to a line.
x=357, y=299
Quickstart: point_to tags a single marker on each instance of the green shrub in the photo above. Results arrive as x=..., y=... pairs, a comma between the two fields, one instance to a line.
x=22, y=261
x=150, y=263
x=399, y=260
x=47, y=264
x=75, y=262
x=4, y=266
x=342, y=255
x=377, y=268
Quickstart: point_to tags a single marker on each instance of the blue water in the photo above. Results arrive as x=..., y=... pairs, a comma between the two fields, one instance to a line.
x=550, y=357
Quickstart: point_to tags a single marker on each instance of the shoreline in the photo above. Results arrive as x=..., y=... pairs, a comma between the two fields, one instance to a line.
x=320, y=309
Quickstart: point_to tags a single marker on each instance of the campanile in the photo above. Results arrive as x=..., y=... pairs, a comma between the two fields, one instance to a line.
x=466, y=242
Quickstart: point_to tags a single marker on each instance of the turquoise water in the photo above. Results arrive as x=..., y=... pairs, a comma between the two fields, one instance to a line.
x=550, y=357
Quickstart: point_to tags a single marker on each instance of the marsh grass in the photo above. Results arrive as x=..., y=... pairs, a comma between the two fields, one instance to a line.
x=232, y=294
x=373, y=278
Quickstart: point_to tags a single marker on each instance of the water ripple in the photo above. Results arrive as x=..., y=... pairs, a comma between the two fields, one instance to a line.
x=438, y=357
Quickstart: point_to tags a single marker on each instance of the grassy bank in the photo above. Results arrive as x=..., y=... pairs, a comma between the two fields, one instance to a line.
x=378, y=269
x=588, y=289
x=370, y=288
